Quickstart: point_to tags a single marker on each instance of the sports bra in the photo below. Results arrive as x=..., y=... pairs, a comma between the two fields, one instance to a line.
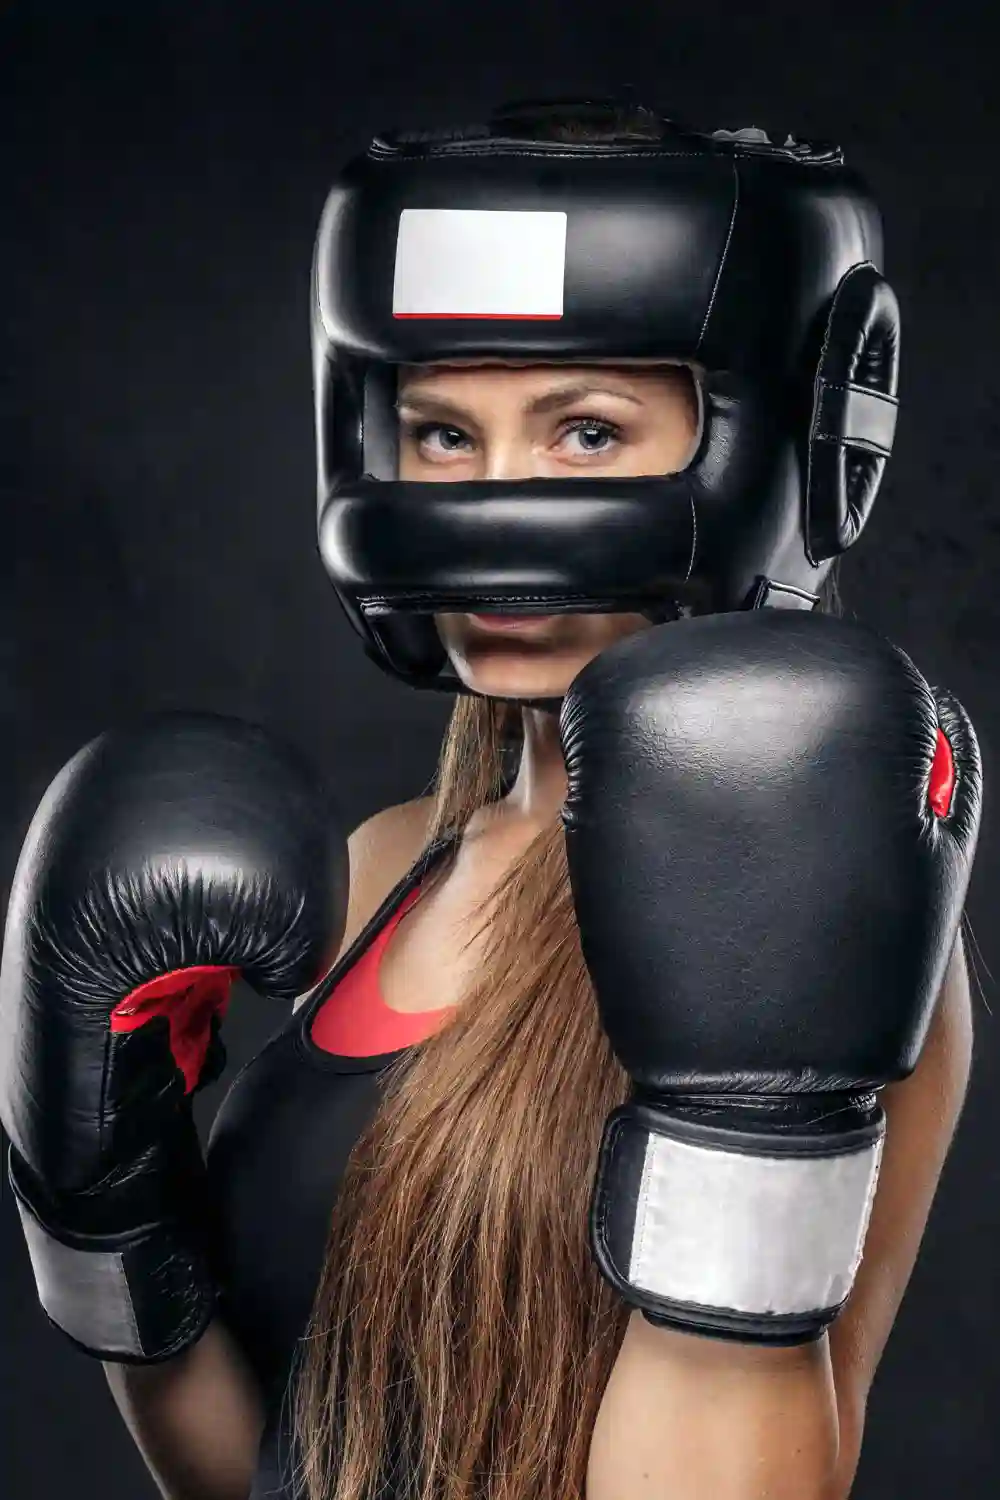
x=278, y=1150
x=354, y=1020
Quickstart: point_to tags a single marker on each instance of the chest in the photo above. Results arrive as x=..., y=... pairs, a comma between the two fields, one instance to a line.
x=438, y=946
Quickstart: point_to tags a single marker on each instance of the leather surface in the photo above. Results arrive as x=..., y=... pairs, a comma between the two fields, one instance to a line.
x=766, y=900
x=714, y=251
x=185, y=843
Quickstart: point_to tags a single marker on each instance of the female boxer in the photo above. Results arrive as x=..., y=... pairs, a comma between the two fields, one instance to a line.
x=447, y=1332
x=633, y=1409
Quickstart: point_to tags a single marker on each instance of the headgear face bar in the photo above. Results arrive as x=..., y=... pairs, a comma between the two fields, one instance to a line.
x=756, y=262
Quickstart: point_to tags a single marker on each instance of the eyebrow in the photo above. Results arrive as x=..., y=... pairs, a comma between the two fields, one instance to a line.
x=551, y=400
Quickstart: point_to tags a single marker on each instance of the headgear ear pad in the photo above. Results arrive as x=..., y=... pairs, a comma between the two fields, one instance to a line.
x=758, y=263
x=854, y=412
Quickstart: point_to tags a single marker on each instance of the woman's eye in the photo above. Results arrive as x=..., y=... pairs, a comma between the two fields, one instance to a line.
x=438, y=438
x=593, y=436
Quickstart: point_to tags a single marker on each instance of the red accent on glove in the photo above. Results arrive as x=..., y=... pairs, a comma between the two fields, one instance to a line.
x=187, y=997
x=941, y=787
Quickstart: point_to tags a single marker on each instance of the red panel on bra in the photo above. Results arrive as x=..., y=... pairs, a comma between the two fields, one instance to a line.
x=354, y=1020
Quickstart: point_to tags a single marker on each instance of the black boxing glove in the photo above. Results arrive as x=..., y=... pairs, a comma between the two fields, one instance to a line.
x=163, y=862
x=770, y=826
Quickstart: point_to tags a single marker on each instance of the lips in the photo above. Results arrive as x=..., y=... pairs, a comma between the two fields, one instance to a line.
x=501, y=624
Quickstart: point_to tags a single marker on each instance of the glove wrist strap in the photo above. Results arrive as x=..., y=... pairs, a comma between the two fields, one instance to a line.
x=733, y=1233
x=132, y=1300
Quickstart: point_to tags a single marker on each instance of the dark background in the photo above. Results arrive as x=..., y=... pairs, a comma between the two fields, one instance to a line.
x=165, y=170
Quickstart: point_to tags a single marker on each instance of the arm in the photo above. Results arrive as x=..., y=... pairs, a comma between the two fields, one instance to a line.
x=690, y=1418
x=922, y=1114
x=115, y=975
x=196, y=1419
x=687, y=1417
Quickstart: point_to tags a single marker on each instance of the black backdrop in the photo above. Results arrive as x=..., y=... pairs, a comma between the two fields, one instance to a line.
x=166, y=165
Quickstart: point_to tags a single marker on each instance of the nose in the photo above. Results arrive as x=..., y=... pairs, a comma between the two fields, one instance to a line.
x=509, y=458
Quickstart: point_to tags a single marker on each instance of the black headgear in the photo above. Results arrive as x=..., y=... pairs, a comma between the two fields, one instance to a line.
x=755, y=262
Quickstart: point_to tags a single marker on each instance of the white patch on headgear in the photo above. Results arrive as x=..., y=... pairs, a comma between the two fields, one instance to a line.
x=479, y=263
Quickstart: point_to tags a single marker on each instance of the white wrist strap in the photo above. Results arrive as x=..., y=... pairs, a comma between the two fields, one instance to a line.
x=755, y=1234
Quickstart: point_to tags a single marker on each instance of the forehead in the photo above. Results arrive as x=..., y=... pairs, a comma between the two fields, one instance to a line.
x=534, y=370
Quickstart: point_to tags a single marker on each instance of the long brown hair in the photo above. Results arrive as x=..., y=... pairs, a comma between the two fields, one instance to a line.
x=462, y=1337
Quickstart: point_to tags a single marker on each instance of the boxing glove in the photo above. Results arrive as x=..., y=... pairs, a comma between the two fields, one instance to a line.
x=770, y=824
x=163, y=862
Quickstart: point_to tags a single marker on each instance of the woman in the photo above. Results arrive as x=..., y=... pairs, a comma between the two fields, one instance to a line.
x=414, y=1097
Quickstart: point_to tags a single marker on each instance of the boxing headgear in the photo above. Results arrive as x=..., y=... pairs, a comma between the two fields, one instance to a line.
x=754, y=262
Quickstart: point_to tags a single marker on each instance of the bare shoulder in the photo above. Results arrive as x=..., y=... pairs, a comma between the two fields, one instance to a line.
x=403, y=826
x=380, y=851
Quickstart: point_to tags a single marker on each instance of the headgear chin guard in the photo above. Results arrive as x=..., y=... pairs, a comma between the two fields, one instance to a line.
x=756, y=262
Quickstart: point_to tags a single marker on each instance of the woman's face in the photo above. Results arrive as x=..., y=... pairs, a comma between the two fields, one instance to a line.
x=540, y=421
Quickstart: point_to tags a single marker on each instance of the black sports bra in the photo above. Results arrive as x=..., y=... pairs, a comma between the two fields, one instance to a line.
x=276, y=1157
